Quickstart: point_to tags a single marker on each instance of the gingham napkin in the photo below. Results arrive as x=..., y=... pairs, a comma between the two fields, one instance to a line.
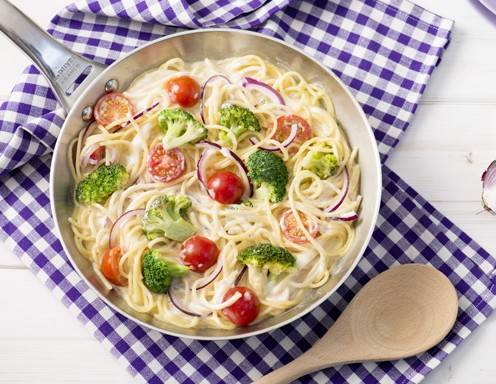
x=384, y=51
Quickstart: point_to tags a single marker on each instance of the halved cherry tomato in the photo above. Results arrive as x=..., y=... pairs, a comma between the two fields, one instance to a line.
x=183, y=90
x=110, y=267
x=166, y=165
x=98, y=154
x=284, y=125
x=225, y=187
x=111, y=107
x=291, y=229
x=199, y=253
x=245, y=309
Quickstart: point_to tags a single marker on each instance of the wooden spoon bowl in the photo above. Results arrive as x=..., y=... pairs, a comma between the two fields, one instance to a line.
x=399, y=313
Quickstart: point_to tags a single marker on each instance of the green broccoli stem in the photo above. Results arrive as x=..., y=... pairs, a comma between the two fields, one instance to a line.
x=167, y=217
x=158, y=272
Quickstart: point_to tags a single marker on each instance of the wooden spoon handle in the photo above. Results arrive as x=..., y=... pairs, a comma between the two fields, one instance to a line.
x=287, y=373
x=335, y=348
x=306, y=363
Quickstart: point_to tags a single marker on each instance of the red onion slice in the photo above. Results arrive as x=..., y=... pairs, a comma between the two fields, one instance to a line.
x=92, y=161
x=212, y=148
x=136, y=116
x=86, y=156
x=119, y=222
x=201, y=170
x=267, y=90
x=204, y=281
x=88, y=131
x=240, y=275
x=489, y=188
x=346, y=216
x=202, y=92
x=342, y=194
x=177, y=303
x=153, y=106
x=139, y=114
x=271, y=149
x=286, y=143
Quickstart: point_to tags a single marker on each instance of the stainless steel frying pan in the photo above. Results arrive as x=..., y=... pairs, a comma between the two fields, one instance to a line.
x=61, y=67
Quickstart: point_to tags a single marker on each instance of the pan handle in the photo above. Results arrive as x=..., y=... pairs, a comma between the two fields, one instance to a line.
x=60, y=65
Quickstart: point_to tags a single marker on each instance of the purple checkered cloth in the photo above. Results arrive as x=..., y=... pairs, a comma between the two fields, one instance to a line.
x=385, y=51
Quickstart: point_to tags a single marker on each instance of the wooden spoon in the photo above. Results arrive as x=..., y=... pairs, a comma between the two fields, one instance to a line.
x=399, y=313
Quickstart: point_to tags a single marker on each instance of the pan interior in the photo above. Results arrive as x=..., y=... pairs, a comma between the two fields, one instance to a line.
x=221, y=44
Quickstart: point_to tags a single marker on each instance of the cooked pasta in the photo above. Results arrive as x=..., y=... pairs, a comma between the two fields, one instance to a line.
x=321, y=211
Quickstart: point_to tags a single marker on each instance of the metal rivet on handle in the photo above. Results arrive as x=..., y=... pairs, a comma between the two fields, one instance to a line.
x=87, y=113
x=111, y=86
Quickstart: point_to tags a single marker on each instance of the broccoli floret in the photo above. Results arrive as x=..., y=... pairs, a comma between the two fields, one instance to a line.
x=268, y=172
x=274, y=259
x=158, y=273
x=323, y=164
x=180, y=127
x=101, y=183
x=238, y=119
x=166, y=217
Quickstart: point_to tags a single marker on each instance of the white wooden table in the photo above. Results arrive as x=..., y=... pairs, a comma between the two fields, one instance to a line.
x=450, y=142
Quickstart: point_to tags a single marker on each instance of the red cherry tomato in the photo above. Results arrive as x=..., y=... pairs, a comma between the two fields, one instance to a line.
x=284, y=124
x=166, y=165
x=245, y=309
x=225, y=187
x=111, y=107
x=291, y=229
x=183, y=90
x=98, y=154
x=110, y=267
x=199, y=253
